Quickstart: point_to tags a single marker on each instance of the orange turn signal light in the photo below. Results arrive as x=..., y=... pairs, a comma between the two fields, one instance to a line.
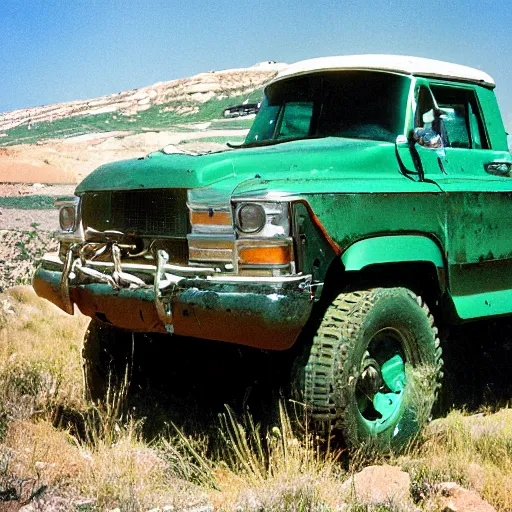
x=274, y=255
x=211, y=218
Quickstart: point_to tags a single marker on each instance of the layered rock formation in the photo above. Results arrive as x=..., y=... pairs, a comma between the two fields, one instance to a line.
x=197, y=89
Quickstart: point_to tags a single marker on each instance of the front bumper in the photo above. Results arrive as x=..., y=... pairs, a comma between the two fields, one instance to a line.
x=266, y=313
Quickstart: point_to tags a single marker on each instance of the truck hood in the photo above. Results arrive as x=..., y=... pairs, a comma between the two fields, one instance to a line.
x=311, y=158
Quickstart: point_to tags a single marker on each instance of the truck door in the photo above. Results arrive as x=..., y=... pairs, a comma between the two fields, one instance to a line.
x=478, y=185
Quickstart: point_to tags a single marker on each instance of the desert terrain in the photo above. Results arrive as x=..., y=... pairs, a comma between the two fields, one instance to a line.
x=158, y=450
x=45, y=151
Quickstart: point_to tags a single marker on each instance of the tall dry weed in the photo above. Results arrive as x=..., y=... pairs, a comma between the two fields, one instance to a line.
x=40, y=343
x=275, y=470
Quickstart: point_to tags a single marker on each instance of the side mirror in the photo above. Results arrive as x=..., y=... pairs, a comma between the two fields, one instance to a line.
x=427, y=137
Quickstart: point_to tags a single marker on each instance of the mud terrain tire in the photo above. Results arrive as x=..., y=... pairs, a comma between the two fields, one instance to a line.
x=375, y=367
x=107, y=360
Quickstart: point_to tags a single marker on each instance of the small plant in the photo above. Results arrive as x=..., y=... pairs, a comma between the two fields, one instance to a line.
x=188, y=459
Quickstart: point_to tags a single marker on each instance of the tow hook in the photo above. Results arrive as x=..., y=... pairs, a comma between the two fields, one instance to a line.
x=163, y=304
x=310, y=287
x=71, y=257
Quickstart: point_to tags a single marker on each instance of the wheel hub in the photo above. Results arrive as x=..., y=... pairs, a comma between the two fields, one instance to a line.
x=371, y=376
x=381, y=382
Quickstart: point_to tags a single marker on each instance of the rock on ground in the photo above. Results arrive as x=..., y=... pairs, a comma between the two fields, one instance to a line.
x=380, y=485
x=451, y=497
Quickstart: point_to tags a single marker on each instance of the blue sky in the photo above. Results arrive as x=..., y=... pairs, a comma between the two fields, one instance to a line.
x=61, y=50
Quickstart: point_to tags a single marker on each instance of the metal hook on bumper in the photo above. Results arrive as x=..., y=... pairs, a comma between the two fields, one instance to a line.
x=71, y=257
x=163, y=304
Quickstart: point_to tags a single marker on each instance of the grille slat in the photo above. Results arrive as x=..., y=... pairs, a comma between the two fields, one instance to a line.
x=141, y=212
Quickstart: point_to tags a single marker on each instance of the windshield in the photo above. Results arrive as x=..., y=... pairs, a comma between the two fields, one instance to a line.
x=354, y=104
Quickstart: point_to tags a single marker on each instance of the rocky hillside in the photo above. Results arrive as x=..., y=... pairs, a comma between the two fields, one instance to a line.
x=163, y=101
x=62, y=143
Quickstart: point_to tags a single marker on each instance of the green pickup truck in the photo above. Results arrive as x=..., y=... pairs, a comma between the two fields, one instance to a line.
x=371, y=198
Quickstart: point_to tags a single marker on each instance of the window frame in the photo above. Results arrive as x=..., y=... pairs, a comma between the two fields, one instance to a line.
x=470, y=97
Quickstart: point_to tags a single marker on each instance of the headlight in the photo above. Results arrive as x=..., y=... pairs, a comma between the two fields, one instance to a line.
x=250, y=218
x=67, y=218
x=264, y=245
x=262, y=219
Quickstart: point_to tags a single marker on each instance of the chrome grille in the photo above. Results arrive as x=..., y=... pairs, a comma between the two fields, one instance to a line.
x=143, y=212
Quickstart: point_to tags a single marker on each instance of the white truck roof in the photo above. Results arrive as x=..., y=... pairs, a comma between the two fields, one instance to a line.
x=416, y=66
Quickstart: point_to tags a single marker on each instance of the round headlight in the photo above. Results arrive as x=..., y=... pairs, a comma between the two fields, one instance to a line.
x=67, y=218
x=251, y=218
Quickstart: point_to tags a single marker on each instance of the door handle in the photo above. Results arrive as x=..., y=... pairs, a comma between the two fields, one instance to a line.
x=499, y=168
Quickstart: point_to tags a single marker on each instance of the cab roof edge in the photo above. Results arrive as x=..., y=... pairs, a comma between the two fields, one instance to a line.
x=416, y=66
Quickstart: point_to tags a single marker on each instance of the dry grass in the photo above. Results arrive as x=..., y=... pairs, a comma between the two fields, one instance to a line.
x=42, y=345
x=275, y=470
x=133, y=474
x=53, y=441
x=473, y=450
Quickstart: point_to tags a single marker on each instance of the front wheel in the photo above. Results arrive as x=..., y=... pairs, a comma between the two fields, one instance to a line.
x=107, y=359
x=375, y=367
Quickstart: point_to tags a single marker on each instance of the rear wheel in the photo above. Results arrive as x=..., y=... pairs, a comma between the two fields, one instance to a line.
x=374, y=367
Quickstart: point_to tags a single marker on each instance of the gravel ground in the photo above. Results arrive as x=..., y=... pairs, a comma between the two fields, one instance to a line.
x=28, y=220
x=20, y=252
x=25, y=235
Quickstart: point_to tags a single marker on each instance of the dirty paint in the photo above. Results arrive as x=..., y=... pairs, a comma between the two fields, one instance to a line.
x=257, y=315
x=98, y=300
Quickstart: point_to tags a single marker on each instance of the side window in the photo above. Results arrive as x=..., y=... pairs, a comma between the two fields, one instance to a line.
x=295, y=120
x=427, y=131
x=455, y=118
x=461, y=117
x=425, y=108
x=474, y=128
x=264, y=125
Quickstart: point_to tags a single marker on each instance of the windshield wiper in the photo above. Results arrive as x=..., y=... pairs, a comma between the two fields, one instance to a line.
x=273, y=142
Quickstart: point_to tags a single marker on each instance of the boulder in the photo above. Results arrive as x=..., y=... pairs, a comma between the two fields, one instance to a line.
x=451, y=497
x=379, y=485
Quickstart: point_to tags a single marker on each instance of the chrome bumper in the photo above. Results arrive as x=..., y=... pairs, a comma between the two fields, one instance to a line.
x=265, y=312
